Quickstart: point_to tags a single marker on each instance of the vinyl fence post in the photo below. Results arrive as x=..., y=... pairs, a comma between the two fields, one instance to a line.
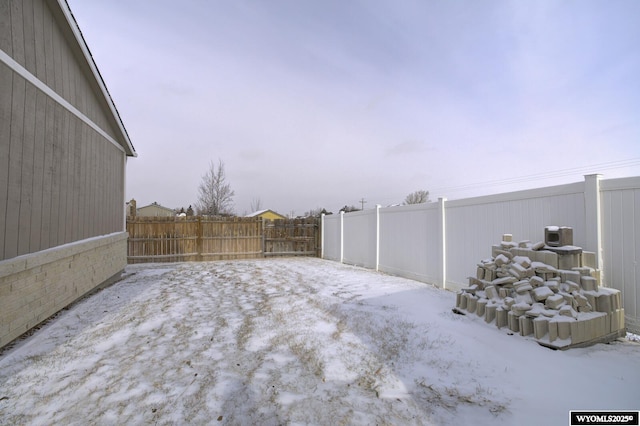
x=377, y=236
x=322, y=236
x=593, y=217
x=342, y=236
x=442, y=243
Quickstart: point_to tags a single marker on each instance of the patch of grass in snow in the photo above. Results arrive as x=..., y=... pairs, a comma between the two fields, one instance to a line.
x=389, y=336
x=307, y=354
x=35, y=358
x=221, y=321
x=430, y=343
x=245, y=331
x=341, y=325
x=450, y=397
x=395, y=338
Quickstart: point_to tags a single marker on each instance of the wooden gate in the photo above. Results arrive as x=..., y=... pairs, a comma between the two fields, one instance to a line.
x=292, y=237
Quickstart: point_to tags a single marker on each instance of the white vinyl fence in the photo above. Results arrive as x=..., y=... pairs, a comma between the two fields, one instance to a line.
x=442, y=242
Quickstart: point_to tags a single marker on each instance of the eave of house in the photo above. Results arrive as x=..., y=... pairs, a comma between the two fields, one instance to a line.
x=62, y=11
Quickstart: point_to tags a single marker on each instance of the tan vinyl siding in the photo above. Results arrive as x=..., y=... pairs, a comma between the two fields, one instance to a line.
x=37, y=42
x=60, y=180
x=6, y=82
x=5, y=25
x=62, y=157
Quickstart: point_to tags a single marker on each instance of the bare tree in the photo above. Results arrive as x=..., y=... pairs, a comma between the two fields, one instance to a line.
x=215, y=196
x=417, y=197
x=256, y=204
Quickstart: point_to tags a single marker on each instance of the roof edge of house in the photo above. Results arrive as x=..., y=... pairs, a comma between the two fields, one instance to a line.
x=125, y=141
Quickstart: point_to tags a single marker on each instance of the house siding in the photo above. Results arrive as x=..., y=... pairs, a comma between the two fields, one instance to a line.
x=36, y=38
x=61, y=179
x=63, y=154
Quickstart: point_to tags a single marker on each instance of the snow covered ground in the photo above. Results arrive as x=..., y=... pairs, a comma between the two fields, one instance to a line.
x=296, y=341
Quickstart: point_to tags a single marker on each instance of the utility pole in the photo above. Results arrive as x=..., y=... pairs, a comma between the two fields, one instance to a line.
x=362, y=201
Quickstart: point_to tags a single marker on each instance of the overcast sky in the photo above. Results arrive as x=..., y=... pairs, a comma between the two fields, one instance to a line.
x=322, y=103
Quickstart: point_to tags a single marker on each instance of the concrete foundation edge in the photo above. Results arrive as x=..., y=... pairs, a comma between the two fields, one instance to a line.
x=37, y=286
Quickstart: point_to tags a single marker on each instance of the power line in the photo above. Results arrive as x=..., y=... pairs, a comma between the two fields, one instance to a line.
x=582, y=170
x=546, y=175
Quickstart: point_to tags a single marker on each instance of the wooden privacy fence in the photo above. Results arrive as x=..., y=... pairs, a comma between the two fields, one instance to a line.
x=169, y=239
x=291, y=236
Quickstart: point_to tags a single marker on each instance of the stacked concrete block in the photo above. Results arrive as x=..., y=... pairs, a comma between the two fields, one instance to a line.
x=462, y=300
x=569, y=286
x=564, y=329
x=550, y=292
x=490, y=292
x=520, y=308
x=540, y=294
x=522, y=286
x=582, y=302
x=536, y=281
x=540, y=327
x=569, y=301
x=558, y=236
x=471, y=303
x=616, y=299
x=553, y=332
x=513, y=321
x=554, y=302
x=569, y=261
x=490, y=313
x=571, y=275
x=482, y=306
x=617, y=320
x=543, y=256
x=501, y=317
x=582, y=271
x=554, y=285
x=589, y=259
x=523, y=261
x=525, y=325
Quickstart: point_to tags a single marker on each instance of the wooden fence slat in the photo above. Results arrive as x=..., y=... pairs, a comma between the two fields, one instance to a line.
x=156, y=239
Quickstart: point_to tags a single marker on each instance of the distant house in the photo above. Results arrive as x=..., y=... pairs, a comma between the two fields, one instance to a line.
x=266, y=215
x=155, y=210
x=63, y=154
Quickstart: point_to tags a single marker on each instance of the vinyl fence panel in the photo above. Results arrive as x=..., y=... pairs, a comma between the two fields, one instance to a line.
x=332, y=237
x=409, y=241
x=360, y=244
x=621, y=243
x=441, y=243
x=473, y=225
